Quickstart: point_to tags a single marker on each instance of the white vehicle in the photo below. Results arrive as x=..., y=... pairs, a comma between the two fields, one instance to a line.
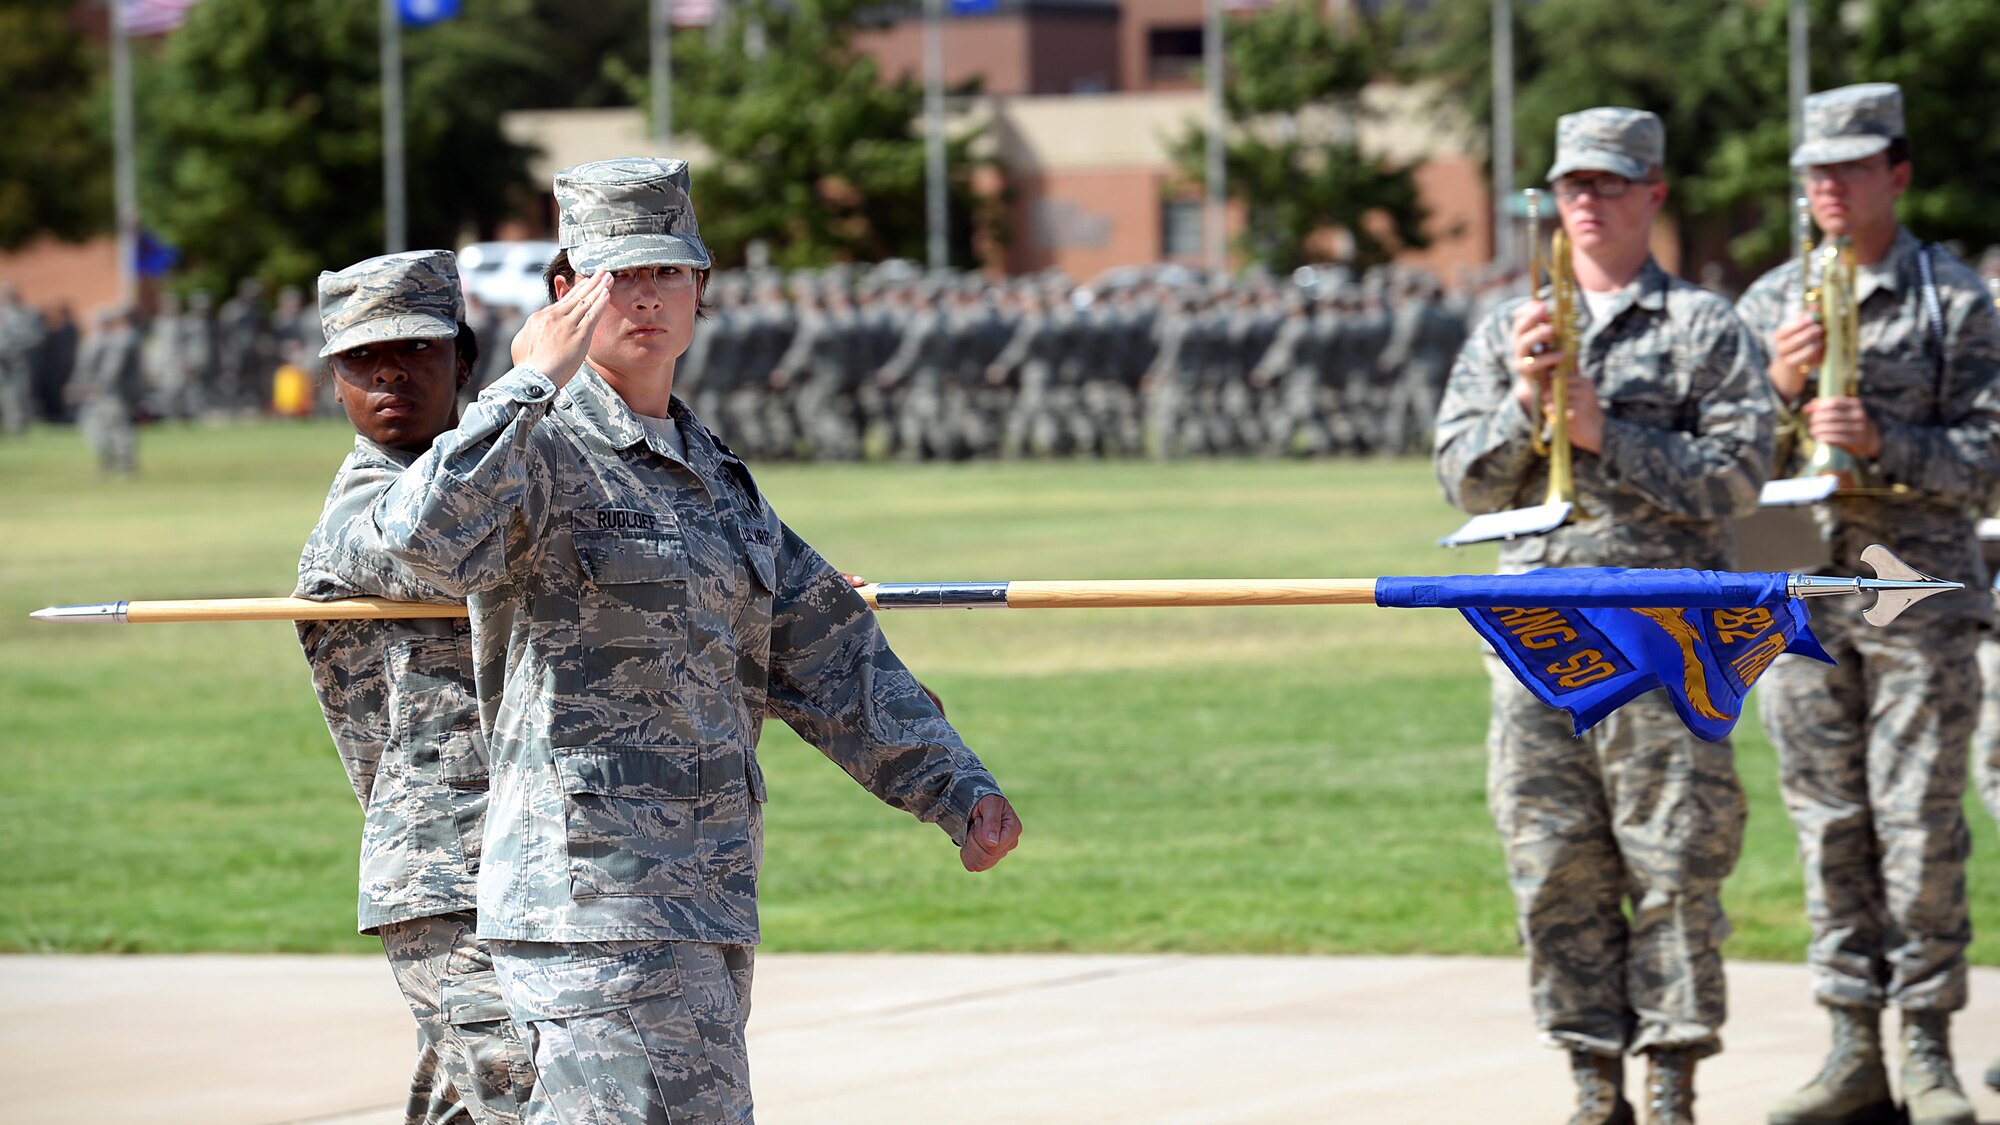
x=506, y=273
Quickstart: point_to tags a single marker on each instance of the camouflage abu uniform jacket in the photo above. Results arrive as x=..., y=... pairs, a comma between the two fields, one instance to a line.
x=634, y=617
x=1939, y=413
x=398, y=698
x=1687, y=432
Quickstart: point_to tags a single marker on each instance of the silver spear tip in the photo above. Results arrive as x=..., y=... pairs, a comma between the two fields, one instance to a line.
x=113, y=612
x=1897, y=585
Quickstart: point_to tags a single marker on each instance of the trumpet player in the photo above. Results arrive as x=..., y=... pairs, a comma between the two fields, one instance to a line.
x=1617, y=842
x=1872, y=752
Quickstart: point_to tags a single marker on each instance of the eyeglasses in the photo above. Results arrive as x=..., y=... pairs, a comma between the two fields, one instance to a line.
x=1604, y=186
x=1847, y=171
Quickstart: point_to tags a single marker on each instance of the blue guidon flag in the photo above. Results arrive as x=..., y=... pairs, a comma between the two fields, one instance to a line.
x=1589, y=640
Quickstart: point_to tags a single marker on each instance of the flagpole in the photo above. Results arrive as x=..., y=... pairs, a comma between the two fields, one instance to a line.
x=395, y=235
x=1503, y=133
x=934, y=164
x=662, y=76
x=1798, y=36
x=1896, y=586
x=1213, y=212
x=124, y=172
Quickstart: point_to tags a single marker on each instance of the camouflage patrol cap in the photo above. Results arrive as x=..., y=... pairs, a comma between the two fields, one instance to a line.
x=1850, y=123
x=410, y=296
x=1625, y=142
x=629, y=212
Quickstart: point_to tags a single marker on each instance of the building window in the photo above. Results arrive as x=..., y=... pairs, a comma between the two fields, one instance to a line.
x=1058, y=224
x=1173, y=54
x=1180, y=228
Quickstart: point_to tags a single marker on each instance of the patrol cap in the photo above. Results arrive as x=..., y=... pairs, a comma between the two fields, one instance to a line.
x=1625, y=142
x=410, y=296
x=1850, y=123
x=629, y=212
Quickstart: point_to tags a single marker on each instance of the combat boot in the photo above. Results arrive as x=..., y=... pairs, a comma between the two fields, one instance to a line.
x=1600, y=1089
x=1852, y=1087
x=1931, y=1094
x=1669, y=1087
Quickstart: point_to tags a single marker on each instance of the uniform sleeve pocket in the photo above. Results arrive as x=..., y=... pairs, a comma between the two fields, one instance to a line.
x=764, y=565
x=629, y=820
x=434, y=712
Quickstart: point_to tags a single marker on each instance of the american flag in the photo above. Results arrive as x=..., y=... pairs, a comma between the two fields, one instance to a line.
x=155, y=17
x=689, y=13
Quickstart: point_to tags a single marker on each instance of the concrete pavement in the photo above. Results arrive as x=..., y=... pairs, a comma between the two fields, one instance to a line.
x=889, y=1039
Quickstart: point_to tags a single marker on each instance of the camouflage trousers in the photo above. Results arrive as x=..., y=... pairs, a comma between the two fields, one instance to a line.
x=1871, y=758
x=1294, y=424
x=1166, y=404
x=471, y=1066
x=824, y=420
x=920, y=422
x=633, y=1033
x=1031, y=426
x=16, y=402
x=1986, y=737
x=107, y=428
x=1114, y=417
x=1639, y=815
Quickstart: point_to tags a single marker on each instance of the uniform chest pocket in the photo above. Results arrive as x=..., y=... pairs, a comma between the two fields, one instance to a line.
x=1651, y=395
x=633, y=608
x=433, y=713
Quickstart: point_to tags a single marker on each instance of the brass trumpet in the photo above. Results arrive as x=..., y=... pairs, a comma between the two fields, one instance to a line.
x=1840, y=370
x=1562, y=295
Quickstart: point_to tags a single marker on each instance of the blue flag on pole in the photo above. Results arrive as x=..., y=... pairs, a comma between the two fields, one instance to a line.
x=423, y=13
x=974, y=7
x=154, y=258
x=1589, y=640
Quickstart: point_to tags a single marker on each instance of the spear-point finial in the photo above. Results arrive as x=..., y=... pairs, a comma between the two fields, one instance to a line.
x=1897, y=585
x=113, y=612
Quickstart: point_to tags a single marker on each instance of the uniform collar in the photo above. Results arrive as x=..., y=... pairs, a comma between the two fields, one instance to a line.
x=1891, y=272
x=1647, y=290
x=605, y=420
x=600, y=413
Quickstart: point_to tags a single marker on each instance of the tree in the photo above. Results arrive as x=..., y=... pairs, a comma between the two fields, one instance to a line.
x=262, y=142
x=1716, y=72
x=814, y=153
x=58, y=171
x=1293, y=89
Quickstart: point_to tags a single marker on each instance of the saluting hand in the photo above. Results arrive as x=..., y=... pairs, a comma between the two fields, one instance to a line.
x=556, y=338
x=1798, y=346
x=993, y=831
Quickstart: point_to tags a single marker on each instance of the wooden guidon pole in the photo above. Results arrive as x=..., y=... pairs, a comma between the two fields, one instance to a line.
x=884, y=595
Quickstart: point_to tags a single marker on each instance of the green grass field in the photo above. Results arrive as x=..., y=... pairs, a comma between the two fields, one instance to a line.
x=1255, y=780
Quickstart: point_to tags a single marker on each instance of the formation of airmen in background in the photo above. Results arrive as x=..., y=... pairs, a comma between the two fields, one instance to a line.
x=879, y=362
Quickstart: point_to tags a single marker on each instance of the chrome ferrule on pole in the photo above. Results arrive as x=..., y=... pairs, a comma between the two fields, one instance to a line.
x=941, y=595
